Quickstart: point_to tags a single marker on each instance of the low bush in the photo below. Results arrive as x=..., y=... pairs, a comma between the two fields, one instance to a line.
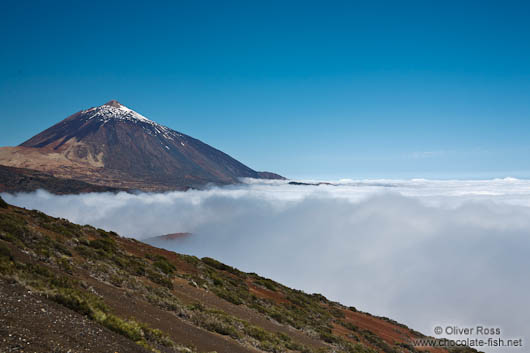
x=159, y=279
x=227, y=295
x=128, y=328
x=105, y=244
x=163, y=265
x=12, y=226
x=5, y=253
x=75, y=301
x=220, y=266
x=267, y=283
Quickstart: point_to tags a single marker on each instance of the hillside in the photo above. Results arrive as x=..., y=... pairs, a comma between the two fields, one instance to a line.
x=66, y=287
x=26, y=180
x=114, y=146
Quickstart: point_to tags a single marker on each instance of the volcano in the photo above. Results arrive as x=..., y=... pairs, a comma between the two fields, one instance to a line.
x=114, y=146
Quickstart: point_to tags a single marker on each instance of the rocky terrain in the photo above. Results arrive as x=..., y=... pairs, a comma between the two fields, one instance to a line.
x=72, y=288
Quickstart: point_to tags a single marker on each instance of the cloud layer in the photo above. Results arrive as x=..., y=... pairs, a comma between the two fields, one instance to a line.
x=422, y=252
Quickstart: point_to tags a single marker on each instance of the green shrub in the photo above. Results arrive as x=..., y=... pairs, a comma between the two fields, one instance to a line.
x=12, y=226
x=193, y=260
x=163, y=265
x=160, y=279
x=39, y=270
x=60, y=227
x=220, y=266
x=257, y=333
x=221, y=328
x=155, y=335
x=328, y=337
x=105, y=244
x=65, y=265
x=197, y=307
x=86, y=252
x=60, y=282
x=135, y=267
x=73, y=300
x=130, y=329
x=267, y=283
x=3, y=204
x=5, y=253
x=227, y=295
x=350, y=326
x=337, y=312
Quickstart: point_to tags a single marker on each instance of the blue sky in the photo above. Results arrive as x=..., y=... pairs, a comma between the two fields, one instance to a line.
x=327, y=89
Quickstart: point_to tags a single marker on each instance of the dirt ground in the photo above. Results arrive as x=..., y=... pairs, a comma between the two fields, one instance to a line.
x=31, y=323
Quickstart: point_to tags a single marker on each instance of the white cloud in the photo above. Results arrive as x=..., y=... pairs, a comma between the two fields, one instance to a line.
x=421, y=252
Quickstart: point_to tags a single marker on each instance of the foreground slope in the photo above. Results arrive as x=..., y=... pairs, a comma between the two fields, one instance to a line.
x=114, y=146
x=121, y=295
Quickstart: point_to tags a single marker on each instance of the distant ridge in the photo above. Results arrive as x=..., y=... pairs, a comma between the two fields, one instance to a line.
x=27, y=180
x=114, y=146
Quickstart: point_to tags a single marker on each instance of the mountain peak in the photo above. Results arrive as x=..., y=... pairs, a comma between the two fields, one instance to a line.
x=115, y=110
x=114, y=103
x=114, y=146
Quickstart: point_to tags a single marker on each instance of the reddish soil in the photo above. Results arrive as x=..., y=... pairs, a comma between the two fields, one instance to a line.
x=265, y=293
x=389, y=332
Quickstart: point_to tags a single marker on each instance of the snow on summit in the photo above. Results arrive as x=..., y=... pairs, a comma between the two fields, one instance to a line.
x=115, y=110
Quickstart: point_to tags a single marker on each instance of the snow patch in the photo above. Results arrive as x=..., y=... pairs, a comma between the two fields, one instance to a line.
x=106, y=113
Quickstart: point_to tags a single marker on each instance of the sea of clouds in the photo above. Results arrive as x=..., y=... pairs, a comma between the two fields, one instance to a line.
x=422, y=252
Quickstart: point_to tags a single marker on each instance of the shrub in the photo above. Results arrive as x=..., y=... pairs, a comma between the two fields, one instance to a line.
x=73, y=300
x=3, y=204
x=61, y=227
x=350, y=326
x=135, y=267
x=257, y=333
x=227, y=295
x=105, y=244
x=5, y=253
x=86, y=252
x=130, y=329
x=337, y=312
x=12, y=226
x=221, y=328
x=163, y=265
x=328, y=337
x=6, y=259
x=220, y=266
x=160, y=279
x=267, y=283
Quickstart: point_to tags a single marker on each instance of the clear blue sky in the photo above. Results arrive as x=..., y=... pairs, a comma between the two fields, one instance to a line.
x=307, y=89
